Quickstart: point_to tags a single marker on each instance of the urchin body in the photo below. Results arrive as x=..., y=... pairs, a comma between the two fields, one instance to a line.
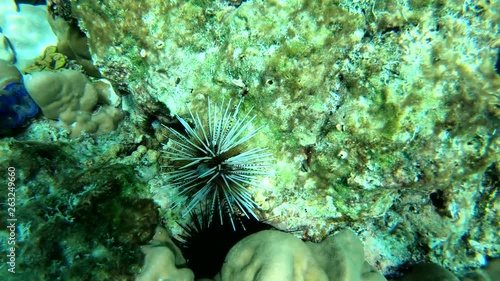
x=210, y=161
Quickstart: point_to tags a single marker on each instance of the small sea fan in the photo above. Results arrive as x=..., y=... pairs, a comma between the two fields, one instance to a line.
x=210, y=161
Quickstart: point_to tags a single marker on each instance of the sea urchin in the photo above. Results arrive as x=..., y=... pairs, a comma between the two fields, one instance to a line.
x=210, y=161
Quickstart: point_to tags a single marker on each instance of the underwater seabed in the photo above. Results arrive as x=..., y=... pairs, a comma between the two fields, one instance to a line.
x=249, y=140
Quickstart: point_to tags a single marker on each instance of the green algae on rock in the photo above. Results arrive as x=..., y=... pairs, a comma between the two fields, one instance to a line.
x=72, y=218
x=369, y=106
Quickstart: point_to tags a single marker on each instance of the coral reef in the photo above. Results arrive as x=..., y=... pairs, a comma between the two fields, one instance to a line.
x=163, y=260
x=68, y=96
x=382, y=117
x=274, y=255
x=71, y=41
x=72, y=218
x=372, y=107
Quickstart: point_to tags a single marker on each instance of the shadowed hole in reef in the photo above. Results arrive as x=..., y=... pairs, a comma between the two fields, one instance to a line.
x=205, y=242
x=497, y=64
x=437, y=198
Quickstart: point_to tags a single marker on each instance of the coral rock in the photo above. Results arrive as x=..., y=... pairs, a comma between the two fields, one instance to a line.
x=273, y=255
x=71, y=98
x=163, y=260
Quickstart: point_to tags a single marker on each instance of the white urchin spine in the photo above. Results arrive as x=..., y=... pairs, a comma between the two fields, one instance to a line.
x=210, y=161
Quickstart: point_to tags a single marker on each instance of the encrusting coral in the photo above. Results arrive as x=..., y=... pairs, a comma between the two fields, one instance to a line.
x=368, y=106
x=278, y=256
x=75, y=212
x=163, y=260
x=69, y=96
x=383, y=116
x=268, y=255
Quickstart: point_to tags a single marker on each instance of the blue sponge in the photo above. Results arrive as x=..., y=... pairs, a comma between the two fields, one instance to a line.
x=15, y=106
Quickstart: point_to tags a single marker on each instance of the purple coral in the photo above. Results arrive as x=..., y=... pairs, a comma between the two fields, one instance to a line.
x=15, y=106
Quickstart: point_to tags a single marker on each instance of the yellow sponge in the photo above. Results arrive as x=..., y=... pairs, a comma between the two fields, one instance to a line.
x=163, y=260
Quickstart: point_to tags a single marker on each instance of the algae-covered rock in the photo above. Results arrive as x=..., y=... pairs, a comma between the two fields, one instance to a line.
x=74, y=222
x=371, y=108
x=273, y=255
